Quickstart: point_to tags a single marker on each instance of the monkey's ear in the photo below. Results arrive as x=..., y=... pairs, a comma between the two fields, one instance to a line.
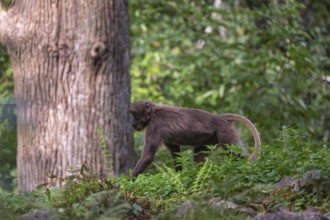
x=147, y=106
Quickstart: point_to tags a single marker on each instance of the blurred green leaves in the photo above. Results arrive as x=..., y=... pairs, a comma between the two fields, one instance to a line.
x=258, y=60
x=8, y=137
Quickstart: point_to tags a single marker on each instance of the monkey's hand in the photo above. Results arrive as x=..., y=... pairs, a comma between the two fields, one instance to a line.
x=141, y=165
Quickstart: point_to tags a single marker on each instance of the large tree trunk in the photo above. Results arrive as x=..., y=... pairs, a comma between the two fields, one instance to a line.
x=71, y=74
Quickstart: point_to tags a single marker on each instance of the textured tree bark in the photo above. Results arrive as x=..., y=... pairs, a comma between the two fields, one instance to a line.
x=71, y=74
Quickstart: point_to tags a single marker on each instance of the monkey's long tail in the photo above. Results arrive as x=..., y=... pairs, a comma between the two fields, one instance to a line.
x=234, y=117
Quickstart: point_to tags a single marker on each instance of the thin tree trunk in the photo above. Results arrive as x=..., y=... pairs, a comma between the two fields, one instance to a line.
x=71, y=76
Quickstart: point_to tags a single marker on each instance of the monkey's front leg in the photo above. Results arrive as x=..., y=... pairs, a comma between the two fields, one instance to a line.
x=148, y=154
x=145, y=160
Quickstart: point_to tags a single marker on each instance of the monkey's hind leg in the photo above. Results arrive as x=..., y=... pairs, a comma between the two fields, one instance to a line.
x=200, y=153
x=227, y=135
x=175, y=149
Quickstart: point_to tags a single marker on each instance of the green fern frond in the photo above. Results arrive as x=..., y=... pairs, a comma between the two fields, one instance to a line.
x=159, y=168
x=107, y=156
x=169, y=173
x=202, y=175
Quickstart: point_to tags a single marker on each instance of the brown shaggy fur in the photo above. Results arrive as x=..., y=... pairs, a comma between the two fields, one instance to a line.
x=175, y=126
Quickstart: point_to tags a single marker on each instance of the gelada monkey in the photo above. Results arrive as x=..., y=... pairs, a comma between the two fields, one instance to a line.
x=174, y=126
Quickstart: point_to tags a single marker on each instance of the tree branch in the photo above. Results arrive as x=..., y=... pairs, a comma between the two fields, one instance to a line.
x=15, y=23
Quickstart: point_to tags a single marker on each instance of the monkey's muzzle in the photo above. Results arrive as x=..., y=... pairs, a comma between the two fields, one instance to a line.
x=135, y=126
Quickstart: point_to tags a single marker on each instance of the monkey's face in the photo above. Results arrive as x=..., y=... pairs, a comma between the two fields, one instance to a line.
x=140, y=115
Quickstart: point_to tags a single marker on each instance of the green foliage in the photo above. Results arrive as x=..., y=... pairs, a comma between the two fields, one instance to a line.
x=257, y=60
x=78, y=186
x=8, y=142
x=203, y=211
x=168, y=173
x=202, y=177
x=87, y=195
x=6, y=76
x=6, y=3
x=294, y=154
x=222, y=186
x=107, y=156
x=8, y=138
x=13, y=204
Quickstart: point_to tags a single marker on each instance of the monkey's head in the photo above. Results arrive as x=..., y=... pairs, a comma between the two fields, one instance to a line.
x=140, y=113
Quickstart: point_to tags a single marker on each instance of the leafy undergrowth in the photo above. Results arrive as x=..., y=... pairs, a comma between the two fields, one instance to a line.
x=223, y=186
